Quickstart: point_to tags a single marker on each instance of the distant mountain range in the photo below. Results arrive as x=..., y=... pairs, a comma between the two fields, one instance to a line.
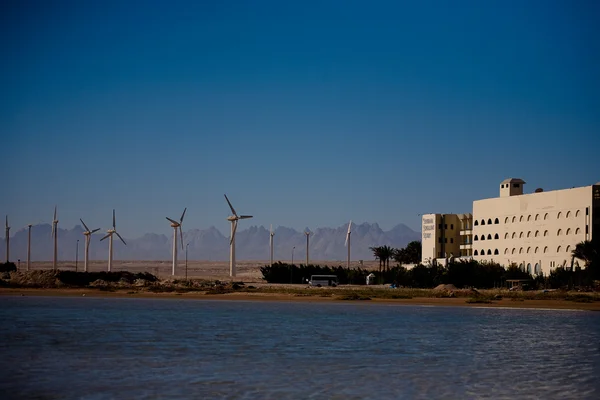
x=211, y=244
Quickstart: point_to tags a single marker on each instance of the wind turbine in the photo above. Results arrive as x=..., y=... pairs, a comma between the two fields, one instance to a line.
x=28, y=246
x=347, y=244
x=271, y=234
x=7, y=235
x=234, y=221
x=109, y=235
x=307, y=233
x=176, y=225
x=55, y=236
x=88, y=238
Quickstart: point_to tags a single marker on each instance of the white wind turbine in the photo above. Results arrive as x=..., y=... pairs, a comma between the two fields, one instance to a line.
x=7, y=235
x=347, y=244
x=308, y=234
x=109, y=235
x=234, y=221
x=271, y=234
x=55, y=236
x=88, y=237
x=176, y=225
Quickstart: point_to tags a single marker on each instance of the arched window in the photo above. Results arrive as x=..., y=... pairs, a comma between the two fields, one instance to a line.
x=559, y=232
x=577, y=231
x=559, y=214
x=536, y=250
x=506, y=220
x=577, y=213
x=528, y=250
x=564, y=264
x=538, y=269
x=506, y=251
x=528, y=268
x=537, y=233
x=520, y=235
x=514, y=219
x=521, y=219
x=506, y=235
x=489, y=221
x=568, y=214
x=482, y=253
x=496, y=236
x=482, y=237
x=482, y=222
x=545, y=216
x=568, y=249
x=475, y=253
x=521, y=250
x=545, y=233
x=558, y=249
x=496, y=252
x=514, y=234
x=537, y=216
x=496, y=221
x=489, y=253
x=522, y=267
x=476, y=238
x=529, y=234
x=528, y=218
x=513, y=251
x=489, y=237
x=568, y=231
x=476, y=223
x=546, y=249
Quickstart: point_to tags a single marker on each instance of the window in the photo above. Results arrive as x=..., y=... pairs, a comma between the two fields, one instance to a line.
x=528, y=250
x=559, y=232
x=506, y=235
x=475, y=253
x=451, y=240
x=521, y=219
x=587, y=229
x=439, y=240
x=445, y=240
x=506, y=220
x=528, y=218
x=538, y=269
x=568, y=214
x=502, y=186
x=482, y=237
x=514, y=234
x=520, y=235
x=529, y=234
x=536, y=250
x=445, y=226
x=513, y=251
x=577, y=231
x=568, y=231
x=545, y=216
x=496, y=252
x=522, y=267
x=496, y=221
x=476, y=223
x=482, y=253
x=489, y=253
x=514, y=219
x=515, y=185
x=521, y=250
x=568, y=249
x=537, y=216
x=559, y=214
x=505, y=251
x=440, y=226
x=558, y=249
x=451, y=226
x=545, y=233
x=587, y=211
x=576, y=213
x=489, y=237
x=537, y=233
x=489, y=221
x=475, y=238
x=482, y=222
x=546, y=249
x=528, y=268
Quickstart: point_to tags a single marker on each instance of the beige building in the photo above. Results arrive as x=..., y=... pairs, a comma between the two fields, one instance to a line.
x=536, y=231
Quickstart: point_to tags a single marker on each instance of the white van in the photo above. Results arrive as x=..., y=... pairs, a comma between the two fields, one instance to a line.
x=323, y=280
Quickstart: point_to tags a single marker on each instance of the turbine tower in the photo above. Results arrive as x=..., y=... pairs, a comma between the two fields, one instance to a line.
x=176, y=225
x=7, y=235
x=88, y=239
x=55, y=236
x=109, y=235
x=271, y=234
x=234, y=221
x=347, y=244
x=28, y=246
x=307, y=233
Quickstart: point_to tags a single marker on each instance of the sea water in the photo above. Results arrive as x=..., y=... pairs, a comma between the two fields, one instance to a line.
x=122, y=348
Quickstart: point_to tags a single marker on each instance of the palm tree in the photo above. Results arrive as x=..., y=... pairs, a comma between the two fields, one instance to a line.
x=386, y=253
x=585, y=251
x=378, y=255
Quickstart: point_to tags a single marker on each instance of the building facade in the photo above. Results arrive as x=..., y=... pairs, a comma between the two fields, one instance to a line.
x=536, y=231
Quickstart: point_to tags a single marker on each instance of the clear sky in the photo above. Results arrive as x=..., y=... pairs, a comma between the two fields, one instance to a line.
x=304, y=113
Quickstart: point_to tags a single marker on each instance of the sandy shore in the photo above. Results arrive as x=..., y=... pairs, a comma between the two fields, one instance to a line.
x=245, y=296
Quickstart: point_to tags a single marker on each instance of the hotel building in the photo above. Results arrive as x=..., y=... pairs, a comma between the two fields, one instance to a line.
x=536, y=231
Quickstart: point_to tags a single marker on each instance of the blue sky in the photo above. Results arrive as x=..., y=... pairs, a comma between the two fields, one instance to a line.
x=305, y=114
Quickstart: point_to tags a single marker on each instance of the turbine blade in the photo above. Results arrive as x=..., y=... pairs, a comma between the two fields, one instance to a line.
x=114, y=220
x=233, y=233
x=183, y=215
x=84, y=225
x=7, y=221
x=107, y=235
x=346, y=242
x=245, y=216
x=230, y=206
x=271, y=229
x=175, y=222
x=181, y=236
x=121, y=238
x=54, y=212
x=349, y=226
x=95, y=230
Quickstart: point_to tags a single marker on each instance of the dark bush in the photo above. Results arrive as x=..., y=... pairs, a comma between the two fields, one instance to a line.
x=8, y=267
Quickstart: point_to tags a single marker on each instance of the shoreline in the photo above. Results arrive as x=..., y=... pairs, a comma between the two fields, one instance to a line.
x=544, y=304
